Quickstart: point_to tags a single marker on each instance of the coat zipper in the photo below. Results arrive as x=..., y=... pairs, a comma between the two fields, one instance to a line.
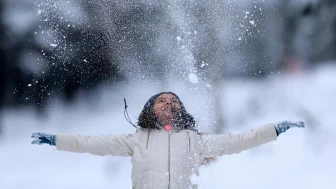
x=168, y=160
x=147, y=138
x=188, y=141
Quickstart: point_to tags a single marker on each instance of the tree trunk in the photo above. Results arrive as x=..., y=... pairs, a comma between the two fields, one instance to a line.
x=2, y=64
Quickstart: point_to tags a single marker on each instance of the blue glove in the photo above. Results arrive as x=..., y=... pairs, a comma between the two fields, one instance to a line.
x=283, y=126
x=43, y=138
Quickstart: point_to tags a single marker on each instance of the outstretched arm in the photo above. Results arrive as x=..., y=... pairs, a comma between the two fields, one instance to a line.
x=218, y=145
x=116, y=145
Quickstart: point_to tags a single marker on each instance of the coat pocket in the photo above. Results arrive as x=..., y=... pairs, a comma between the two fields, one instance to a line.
x=143, y=179
x=135, y=183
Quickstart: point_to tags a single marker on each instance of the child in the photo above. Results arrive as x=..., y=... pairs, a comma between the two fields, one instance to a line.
x=167, y=149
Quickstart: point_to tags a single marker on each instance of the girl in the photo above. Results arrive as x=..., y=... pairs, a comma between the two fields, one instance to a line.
x=166, y=149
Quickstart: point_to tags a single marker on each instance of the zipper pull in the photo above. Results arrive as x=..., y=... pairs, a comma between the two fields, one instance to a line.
x=188, y=140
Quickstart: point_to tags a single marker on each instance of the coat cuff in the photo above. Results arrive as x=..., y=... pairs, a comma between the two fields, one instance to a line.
x=268, y=132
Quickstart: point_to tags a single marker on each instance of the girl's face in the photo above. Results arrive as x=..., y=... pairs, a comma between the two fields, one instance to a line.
x=164, y=106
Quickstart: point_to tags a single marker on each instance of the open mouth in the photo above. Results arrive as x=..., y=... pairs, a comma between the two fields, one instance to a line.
x=170, y=110
x=166, y=109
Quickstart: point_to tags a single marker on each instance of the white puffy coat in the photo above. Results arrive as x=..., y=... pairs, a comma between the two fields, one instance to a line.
x=166, y=160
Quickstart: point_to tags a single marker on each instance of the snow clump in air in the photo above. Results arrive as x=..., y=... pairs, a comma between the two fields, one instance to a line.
x=193, y=78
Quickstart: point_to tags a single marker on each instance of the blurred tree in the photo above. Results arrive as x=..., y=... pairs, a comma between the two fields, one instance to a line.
x=2, y=64
x=48, y=58
x=134, y=40
x=308, y=32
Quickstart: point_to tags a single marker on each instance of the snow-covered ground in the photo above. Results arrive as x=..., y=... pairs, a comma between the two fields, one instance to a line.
x=300, y=158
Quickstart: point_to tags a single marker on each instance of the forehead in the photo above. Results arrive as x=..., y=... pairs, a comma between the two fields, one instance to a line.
x=166, y=96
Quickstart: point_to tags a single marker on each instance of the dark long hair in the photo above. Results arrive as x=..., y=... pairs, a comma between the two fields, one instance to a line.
x=147, y=118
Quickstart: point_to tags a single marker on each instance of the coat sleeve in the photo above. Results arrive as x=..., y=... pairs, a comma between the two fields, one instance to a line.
x=116, y=145
x=218, y=145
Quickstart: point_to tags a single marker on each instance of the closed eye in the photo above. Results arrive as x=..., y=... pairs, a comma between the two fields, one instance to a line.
x=160, y=100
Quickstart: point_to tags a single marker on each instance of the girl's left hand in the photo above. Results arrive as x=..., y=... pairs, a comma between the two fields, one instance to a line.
x=43, y=138
x=283, y=126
